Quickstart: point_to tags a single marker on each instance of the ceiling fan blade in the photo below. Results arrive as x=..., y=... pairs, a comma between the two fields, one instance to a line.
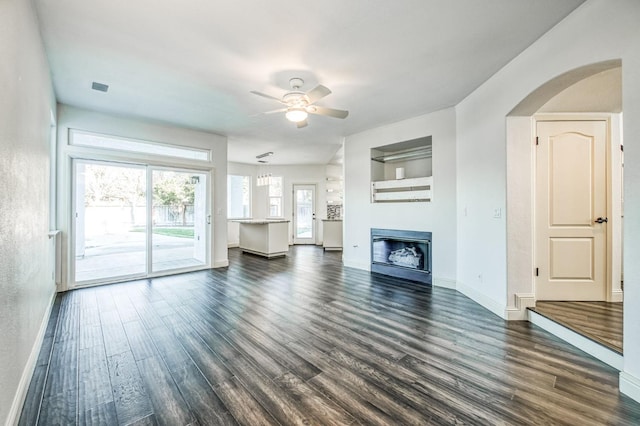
x=330, y=112
x=264, y=95
x=269, y=112
x=317, y=93
x=302, y=124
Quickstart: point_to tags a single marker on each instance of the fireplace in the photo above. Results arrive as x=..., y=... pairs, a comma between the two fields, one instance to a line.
x=402, y=254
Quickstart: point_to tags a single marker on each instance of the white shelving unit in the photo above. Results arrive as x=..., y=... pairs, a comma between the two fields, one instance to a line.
x=402, y=171
x=414, y=189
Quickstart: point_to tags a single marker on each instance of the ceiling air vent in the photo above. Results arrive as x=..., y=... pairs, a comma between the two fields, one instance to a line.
x=99, y=86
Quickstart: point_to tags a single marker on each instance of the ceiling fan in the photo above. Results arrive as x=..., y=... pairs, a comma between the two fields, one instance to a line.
x=300, y=104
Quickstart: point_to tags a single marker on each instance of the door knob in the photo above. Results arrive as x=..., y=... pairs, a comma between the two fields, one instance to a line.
x=601, y=220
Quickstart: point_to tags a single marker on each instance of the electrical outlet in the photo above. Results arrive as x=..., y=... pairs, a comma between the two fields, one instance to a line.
x=497, y=213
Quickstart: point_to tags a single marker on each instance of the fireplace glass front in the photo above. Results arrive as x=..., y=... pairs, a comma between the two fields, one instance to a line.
x=400, y=253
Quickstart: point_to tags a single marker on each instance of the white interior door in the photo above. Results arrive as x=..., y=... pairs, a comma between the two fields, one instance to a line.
x=304, y=214
x=571, y=210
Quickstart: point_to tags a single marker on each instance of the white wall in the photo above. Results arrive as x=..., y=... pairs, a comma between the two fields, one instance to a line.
x=437, y=216
x=597, y=31
x=26, y=284
x=258, y=209
x=76, y=118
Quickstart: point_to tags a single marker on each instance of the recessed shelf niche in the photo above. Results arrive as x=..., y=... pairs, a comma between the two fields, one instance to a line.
x=402, y=172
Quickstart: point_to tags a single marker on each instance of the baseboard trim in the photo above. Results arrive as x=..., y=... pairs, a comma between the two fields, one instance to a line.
x=482, y=300
x=233, y=245
x=630, y=386
x=519, y=312
x=358, y=265
x=444, y=283
x=29, y=369
x=221, y=263
x=617, y=296
x=594, y=349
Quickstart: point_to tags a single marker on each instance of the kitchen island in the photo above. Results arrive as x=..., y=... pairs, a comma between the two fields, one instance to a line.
x=268, y=238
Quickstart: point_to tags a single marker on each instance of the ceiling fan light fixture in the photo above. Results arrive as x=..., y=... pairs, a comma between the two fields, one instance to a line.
x=296, y=115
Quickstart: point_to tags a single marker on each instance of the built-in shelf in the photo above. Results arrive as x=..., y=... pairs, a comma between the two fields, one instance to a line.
x=404, y=155
x=413, y=189
x=402, y=171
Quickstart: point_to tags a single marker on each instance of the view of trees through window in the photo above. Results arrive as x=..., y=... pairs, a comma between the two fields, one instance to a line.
x=173, y=194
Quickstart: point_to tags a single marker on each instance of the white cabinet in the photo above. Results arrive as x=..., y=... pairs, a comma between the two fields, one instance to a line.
x=414, y=189
x=332, y=234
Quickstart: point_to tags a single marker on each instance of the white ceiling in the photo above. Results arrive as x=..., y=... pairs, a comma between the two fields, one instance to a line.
x=192, y=63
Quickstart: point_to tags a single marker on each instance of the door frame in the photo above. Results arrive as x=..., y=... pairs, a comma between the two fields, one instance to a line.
x=148, y=167
x=314, y=225
x=613, y=290
x=208, y=218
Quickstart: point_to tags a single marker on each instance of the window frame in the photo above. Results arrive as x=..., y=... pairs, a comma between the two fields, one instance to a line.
x=277, y=197
x=76, y=134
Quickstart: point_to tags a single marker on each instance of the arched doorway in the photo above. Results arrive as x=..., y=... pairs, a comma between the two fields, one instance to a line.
x=520, y=130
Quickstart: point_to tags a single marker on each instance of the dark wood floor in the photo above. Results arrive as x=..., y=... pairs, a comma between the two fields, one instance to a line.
x=302, y=340
x=599, y=321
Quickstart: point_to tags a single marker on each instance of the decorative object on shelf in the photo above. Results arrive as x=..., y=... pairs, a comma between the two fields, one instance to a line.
x=264, y=179
x=399, y=172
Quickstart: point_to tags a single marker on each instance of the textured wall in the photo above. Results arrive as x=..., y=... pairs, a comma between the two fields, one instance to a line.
x=26, y=287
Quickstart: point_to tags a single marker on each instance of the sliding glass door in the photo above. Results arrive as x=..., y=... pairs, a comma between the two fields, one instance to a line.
x=110, y=221
x=179, y=220
x=135, y=221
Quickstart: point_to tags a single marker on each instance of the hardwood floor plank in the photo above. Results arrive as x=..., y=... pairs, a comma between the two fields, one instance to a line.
x=205, y=404
x=599, y=321
x=357, y=405
x=103, y=414
x=59, y=409
x=115, y=338
x=242, y=405
x=33, y=399
x=168, y=404
x=94, y=383
x=314, y=402
x=130, y=396
x=303, y=340
x=139, y=340
x=280, y=405
x=211, y=366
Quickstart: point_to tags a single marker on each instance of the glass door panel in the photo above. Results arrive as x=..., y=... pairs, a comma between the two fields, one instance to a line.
x=304, y=214
x=179, y=221
x=110, y=221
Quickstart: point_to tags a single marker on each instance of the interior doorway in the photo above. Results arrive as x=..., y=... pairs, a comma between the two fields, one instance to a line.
x=304, y=214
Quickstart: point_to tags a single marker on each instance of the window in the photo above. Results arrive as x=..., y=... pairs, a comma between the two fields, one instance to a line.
x=95, y=140
x=275, y=197
x=238, y=197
